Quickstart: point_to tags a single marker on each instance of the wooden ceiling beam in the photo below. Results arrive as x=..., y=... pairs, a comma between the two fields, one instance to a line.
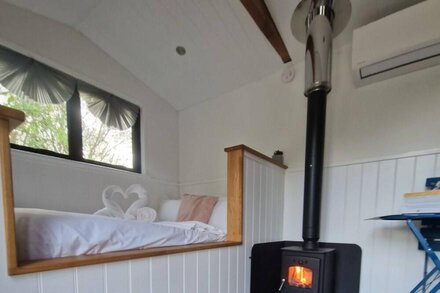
x=261, y=15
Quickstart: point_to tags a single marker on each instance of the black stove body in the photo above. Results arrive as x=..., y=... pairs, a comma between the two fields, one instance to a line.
x=270, y=263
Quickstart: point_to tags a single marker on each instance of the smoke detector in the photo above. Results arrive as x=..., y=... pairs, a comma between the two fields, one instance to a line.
x=288, y=73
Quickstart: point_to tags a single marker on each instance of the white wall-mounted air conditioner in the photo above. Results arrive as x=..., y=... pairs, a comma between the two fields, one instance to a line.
x=402, y=42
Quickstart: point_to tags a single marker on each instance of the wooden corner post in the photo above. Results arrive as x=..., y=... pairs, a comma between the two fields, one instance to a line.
x=235, y=178
x=9, y=119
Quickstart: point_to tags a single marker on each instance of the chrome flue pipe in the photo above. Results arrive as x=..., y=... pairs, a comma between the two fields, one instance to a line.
x=318, y=58
x=315, y=22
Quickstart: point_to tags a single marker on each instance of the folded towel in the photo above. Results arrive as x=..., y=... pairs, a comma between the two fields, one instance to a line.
x=103, y=212
x=146, y=214
x=112, y=209
x=142, y=201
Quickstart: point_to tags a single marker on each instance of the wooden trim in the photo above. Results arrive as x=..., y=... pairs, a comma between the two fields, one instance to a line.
x=85, y=260
x=9, y=119
x=235, y=195
x=8, y=199
x=14, y=117
x=255, y=153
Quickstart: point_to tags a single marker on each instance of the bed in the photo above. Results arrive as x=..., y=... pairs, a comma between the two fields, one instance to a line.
x=43, y=234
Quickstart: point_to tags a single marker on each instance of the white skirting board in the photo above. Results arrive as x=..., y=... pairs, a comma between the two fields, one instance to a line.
x=225, y=270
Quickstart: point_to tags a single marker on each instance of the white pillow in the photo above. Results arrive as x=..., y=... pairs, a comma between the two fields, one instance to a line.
x=219, y=214
x=169, y=209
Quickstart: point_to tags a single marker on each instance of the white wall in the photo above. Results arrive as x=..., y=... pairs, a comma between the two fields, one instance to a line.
x=69, y=51
x=385, y=119
x=57, y=184
x=391, y=117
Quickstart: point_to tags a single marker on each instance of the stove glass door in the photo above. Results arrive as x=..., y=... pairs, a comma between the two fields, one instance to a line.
x=300, y=277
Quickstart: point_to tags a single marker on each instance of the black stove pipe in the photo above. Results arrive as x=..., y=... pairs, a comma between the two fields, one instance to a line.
x=315, y=136
x=318, y=60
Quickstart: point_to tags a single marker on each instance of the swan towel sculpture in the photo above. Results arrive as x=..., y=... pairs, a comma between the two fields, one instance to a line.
x=138, y=209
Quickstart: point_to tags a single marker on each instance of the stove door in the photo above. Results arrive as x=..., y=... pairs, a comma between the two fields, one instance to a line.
x=300, y=274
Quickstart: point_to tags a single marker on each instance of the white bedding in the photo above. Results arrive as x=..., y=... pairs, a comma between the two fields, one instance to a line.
x=45, y=234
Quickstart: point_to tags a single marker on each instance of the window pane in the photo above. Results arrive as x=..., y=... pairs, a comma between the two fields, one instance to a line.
x=105, y=144
x=45, y=127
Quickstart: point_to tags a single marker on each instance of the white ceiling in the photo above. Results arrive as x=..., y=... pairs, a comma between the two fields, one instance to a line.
x=225, y=49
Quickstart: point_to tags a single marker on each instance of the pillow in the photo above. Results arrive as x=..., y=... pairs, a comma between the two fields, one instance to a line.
x=169, y=210
x=219, y=215
x=196, y=208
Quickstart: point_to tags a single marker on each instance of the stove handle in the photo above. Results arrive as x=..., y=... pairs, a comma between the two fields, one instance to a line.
x=282, y=285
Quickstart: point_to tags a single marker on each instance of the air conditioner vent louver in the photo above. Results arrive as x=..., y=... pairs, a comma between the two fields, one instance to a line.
x=397, y=44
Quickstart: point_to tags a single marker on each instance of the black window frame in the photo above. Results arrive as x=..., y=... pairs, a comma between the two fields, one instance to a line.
x=75, y=144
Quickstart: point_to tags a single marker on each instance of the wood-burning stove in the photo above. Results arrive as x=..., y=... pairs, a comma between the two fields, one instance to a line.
x=270, y=263
x=312, y=267
x=307, y=271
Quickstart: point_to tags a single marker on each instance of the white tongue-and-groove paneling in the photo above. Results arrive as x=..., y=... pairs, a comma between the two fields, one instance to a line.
x=353, y=193
x=225, y=270
x=225, y=49
x=92, y=278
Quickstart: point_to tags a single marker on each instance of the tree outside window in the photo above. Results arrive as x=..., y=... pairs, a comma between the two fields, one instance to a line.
x=46, y=129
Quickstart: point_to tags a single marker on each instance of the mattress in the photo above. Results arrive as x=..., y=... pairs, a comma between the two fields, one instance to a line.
x=43, y=234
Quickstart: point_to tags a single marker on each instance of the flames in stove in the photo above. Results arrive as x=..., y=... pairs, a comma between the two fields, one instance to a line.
x=304, y=270
x=299, y=276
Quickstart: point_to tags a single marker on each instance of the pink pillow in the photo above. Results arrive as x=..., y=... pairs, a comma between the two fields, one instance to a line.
x=196, y=208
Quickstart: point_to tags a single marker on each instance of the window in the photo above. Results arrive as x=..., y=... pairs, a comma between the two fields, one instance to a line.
x=68, y=118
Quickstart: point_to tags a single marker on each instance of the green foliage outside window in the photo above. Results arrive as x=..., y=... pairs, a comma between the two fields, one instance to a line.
x=46, y=128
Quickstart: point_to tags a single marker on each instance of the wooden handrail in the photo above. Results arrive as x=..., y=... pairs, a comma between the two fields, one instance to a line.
x=255, y=153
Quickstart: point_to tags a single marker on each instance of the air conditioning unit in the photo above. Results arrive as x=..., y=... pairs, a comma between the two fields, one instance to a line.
x=402, y=42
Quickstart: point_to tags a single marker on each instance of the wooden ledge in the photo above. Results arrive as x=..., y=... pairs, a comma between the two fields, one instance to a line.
x=255, y=153
x=14, y=117
x=83, y=260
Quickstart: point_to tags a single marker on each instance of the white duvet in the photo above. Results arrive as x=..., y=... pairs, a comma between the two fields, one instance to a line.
x=45, y=234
